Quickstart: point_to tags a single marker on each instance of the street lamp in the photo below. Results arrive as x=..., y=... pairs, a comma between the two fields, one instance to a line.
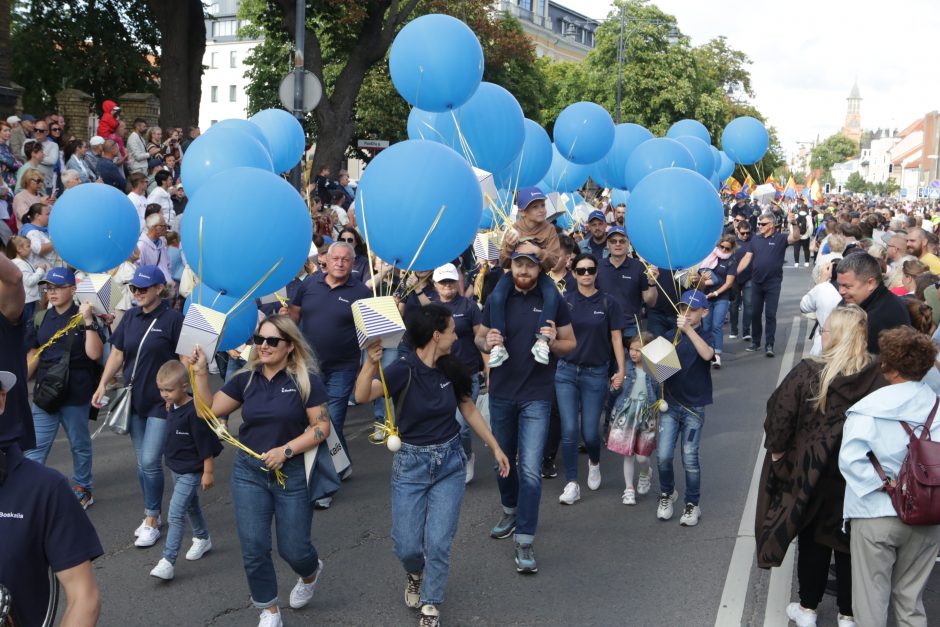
x=672, y=38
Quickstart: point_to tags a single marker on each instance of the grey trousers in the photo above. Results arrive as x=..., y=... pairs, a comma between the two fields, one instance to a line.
x=891, y=563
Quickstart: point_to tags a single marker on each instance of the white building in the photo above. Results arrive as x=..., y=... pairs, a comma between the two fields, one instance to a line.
x=879, y=159
x=842, y=171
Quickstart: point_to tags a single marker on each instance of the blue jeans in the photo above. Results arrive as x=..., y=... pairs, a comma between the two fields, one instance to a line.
x=466, y=438
x=580, y=390
x=520, y=429
x=148, y=436
x=714, y=322
x=742, y=301
x=765, y=296
x=688, y=423
x=497, y=302
x=75, y=420
x=339, y=385
x=257, y=498
x=427, y=488
x=185, y=501
x=232, y=366
x=389, y=356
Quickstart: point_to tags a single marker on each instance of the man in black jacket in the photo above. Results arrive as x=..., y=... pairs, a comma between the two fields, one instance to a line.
x=859, y=282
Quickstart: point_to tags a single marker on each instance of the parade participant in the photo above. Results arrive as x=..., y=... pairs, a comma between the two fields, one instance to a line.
x=520, y=401
x=596, y=244
x=284, y=414
x=625, y=280
x=582, y=376
x=70, y=406
x=803, y=224
x=740, y=308
x=429, y=386
x=18, y=425
x=561, y=274
x=687, y=393
x=891, y=561
x=859, y=282
x=190, y=449
x=718, y=276
x=43, y=529
x=145, y=339
x=661, y=316
x=639, y=391
x=802, y=489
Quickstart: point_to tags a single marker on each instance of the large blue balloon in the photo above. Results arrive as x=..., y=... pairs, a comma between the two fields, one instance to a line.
x=239, y=324
x=584, y=132
x=745, y=140
x=437, y=127
x=436, y=62
x=231, y=257
x=612, y=168
x=689, y=128
x=563, y=175
x=94, y=227
x=726, y=167
x=619, y=197
x=701, y=152
x=656, y=154
x=715, y=181
x=214, y=153
x=242, y=125
x=675, y=218
x=285, y=137
x=716, y=156
x=396, y=217
x=533, y=161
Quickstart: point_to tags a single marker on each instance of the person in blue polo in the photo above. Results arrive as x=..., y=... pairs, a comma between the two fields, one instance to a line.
x=19, y=427
x=43, y=528
x=520, y=401
x=144, y=340
x=596, y=244
x=69, y=408
x=624, y=279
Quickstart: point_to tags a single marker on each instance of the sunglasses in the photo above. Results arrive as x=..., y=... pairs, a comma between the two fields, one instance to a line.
x=137, y=290
x=41, y=130
x=583, y=271
x=764, y=223
x=726, y=248
x=348, y=240
x=55, y=129
x=272, y=341
x=617, y=241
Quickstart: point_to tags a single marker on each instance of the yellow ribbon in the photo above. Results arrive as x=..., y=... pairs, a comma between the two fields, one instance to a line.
x=74, y=321
x=388, y=427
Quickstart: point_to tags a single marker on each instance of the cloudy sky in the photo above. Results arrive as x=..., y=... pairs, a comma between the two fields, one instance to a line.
x=806, y=56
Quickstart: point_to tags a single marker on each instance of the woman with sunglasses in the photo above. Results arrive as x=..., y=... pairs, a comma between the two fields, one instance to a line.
x=715, y=278
x=284, y=414
x=581, y=378
x=146, y=336
x=361, y=262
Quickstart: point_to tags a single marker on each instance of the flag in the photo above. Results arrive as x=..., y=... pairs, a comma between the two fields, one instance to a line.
x=816, y=192
x=749, y=184
x=773, y=181
x=732, y=184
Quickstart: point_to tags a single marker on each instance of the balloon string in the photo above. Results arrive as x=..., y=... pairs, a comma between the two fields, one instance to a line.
x=254, y=287
x=365, y=234
x=426, y=236
x=388, y=427
x=73, y=322
x=662, y=230
x=464, y=144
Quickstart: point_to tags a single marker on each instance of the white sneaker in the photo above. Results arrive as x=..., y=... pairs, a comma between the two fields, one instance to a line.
x=716, y=362
x=470, y=463
x=148, y=537
x=629, y=496
x=572, y=493
x=690, y=516
x=163, y=570
x=733, y=336
x=303, y=592
x=846, y=621
x=498, y=355
x=806, y=265
x=801, y=616
x=664, y=509
x=796, y=264
x=323, y=503
x=143, y=524
x=267, y=619
x=413, y=589
x=199, y=548
x=378, y=434
x=541, y=352
x=643, y=484
x=594, y=476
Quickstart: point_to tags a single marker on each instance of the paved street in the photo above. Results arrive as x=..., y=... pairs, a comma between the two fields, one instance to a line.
x=600, y=562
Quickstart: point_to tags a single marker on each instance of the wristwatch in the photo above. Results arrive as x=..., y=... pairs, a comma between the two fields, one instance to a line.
x=91, y=327
x=288, y=452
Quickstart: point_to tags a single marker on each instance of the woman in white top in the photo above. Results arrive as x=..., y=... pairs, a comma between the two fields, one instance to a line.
x=20, y=249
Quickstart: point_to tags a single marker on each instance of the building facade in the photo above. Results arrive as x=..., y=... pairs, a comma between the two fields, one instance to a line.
x=852, y=128
x=557, y=32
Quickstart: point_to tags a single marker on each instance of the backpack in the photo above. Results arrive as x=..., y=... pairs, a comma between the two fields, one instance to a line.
x=916, y=493
x=801, y=222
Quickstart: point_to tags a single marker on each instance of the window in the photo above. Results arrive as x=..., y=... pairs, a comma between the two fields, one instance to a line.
x=214, y=94
x=231, y=93
x=224, y=28
x=214, y=60
x=233, y=59
x=526, y=5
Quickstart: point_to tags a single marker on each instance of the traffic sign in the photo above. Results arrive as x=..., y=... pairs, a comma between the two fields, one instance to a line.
x=372, y=143
x=903, y=192
x=313, y=91
x=935, y=184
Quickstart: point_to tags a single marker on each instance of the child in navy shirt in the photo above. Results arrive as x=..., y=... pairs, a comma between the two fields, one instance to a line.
x=189, y=451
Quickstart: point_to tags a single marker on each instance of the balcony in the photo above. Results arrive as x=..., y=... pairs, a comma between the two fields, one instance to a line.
x=525, y=15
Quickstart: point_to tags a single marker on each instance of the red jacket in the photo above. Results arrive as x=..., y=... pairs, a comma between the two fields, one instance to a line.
x=108, y=124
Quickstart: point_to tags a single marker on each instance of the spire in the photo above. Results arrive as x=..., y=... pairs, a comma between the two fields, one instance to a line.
x=854, y=94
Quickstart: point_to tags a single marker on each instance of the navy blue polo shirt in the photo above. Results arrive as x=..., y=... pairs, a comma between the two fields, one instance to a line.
x=273, y=412
x=412, y=301
x=16, y=425
x=666, y=292
x=568, y=284
x=521, y=378
x=189, y=440
x=720, y=273
x=596, y=249
x=42, y=526
x=743, y=248
x=593, y=317
x=159, y=348
x=428, y=415
x=360, y=269
x=767, y=262
x=466, y=316
x=624, y=283
x=83, y=371
x=326, y=320
x=691, y=386
x=270, y=309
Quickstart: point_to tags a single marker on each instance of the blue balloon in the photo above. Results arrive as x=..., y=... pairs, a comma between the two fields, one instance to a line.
x=726, y=167
x=656, y=154
x=94, y=227
x=675, y=218
x=564, y=221
x=745, y=140
x=716, y=156
x=704, y=161
x=584, y=132
x=230, y=259
x=436, y=62
x=239, y=324
x=285, y=137
x=715, y=181
x=573, y=201
x=563, y=175
x=214, y=153
x=487, y=220
x=619, y=197
x=242, y=125
x=395, y=218
x=533, y=161
x=611, y=169
x=437, y=127
x=689, y=128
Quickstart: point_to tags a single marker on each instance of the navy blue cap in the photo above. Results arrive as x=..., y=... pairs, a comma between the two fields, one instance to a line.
x=26, y=117
x=694, y=299
x=531, y=256
x=147, y=276
x=616, y=229
x=527, y=195
x=597, y=215
x=59, y=277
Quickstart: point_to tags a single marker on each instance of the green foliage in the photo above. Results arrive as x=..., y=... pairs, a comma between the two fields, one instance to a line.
x=856, y=184
x=832, y=150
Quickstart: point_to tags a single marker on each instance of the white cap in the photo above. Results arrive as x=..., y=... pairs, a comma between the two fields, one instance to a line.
x=13, y=120
x=97, y=140
x=7, y=380
x=445, y=273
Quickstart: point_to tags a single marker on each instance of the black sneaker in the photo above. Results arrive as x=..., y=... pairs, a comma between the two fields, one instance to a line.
x=504, y=528
x=747, y=337
x=770, y=350
x=753, y=348
x=548, y=469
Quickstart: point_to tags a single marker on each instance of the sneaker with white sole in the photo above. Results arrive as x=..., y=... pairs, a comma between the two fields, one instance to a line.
x=643, y=484
x=199, y=548
x=148, y=537
x=413, y=590
x=270, y=619
x=571, y=494
x=716, y=361
x=594, y=476
x=430, y=616
x=144, y=524
x=847, y=621
x=541, y=352
x=796, y=264
x=801, y=616
x=525, y=559
x=378, y=434
x=323, y=503
x=805, y=264
x=747, y=337
x=664, y=509
x=733, y=336
x=163, y=570
x=302, y=593
x=690, y=515
x=498, y=355
x=629, y=496
x=471, y=461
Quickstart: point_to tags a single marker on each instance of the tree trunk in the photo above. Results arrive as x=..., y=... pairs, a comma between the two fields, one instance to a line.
x=182, y=46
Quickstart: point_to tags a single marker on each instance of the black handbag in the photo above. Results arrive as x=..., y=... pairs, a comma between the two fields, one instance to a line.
x=54, y=387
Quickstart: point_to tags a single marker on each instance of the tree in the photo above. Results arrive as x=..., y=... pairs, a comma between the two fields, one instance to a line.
x=182, y=45
x=856, y=184
x=832, y=150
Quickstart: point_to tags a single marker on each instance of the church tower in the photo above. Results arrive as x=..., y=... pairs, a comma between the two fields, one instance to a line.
x=853, y=115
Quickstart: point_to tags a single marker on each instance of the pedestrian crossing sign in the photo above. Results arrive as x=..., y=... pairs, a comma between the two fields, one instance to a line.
x=378, y=318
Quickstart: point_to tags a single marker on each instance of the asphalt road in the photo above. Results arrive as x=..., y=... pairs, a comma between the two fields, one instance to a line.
x=600, y=562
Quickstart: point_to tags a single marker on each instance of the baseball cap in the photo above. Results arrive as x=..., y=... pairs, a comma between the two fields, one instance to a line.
x=447, y=272
x=694, y=299
x=27, y=118
x=13, y=120
x=527, y=195
x=7, y=380
x=97, y=140
x=147, y=276
x=531, y=256
x=59, y=276
x=597, y=215
x=616, y=229
x=153, y=163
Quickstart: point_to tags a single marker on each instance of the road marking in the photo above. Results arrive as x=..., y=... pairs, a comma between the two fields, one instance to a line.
x=734, y=594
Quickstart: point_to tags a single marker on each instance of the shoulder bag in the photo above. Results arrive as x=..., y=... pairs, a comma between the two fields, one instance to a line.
x=54, y=387
x=120, y=407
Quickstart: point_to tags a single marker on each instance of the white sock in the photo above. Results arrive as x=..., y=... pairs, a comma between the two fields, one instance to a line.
x=628, y=466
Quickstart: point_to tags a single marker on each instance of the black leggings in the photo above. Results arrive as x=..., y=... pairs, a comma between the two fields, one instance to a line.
x=812, y=570
x=804, y=244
